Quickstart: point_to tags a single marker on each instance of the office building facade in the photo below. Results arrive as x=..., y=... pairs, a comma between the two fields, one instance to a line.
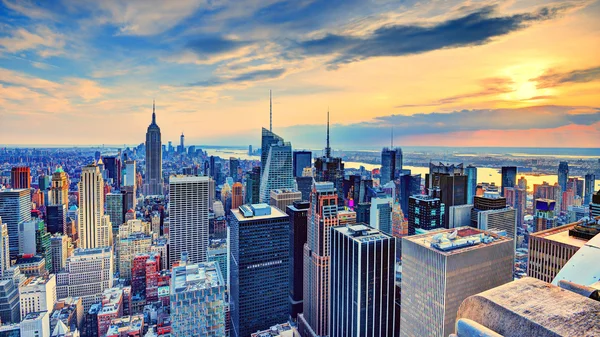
x=509, y=178
x=93, y=225
x=441, y=269
x=277, y=172
x=362, y=282
x=188, y=214
x=424, y=212
x=15, y=208
x=301, y=160
x=259, y=268
x=298, y=215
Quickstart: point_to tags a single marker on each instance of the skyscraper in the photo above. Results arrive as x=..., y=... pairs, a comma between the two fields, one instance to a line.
x=253, y=186
x=259, y=268
x=59, y=192
x=298, y=213
x=322, y=216
x=590, y=182
x=154, y=180
x=328, y=168
x=115, y=209
x=283, y=198
x=188, y=213
x=234, y=163
x=197, y=300
x=409, y=185
x=449, y=184
x=441, y=269
x=301, y=160
x=381, y=214
x=517, y=198
x=4, y=248
x=563, y=175
x=509, y=178
x=544, y=217
x=471, y=172
x=130, y=174
x=112, y=166
x=277, y=172
x=93, y=226
x=181, y=147
x=391, y=164
x=424, y=212
x=362, y=303
x=237, y=195
x=20, y=177
x=15, y=208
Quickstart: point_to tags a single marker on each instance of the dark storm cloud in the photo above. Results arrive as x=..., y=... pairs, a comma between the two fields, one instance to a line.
x=472, y=29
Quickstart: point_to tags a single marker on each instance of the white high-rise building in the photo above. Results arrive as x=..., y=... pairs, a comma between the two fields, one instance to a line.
x=37, y=293
x=91, y=209
x=381, y=214
x=87, y=274
x=36, y=324
x=130, y=173
x=4, y=248
x=277, y=172
x=27, y=244
x=188, y=218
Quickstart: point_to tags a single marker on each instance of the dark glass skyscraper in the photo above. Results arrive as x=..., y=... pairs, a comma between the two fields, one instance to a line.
x=154, y=178
x=328, y=168
x=260, y=261
x=471, y=172
x=298, y=213
x=509, y=178
x=590, y=181
x=301, y=160
x=112, y=164
x=449, y=184
x=391, y=164
x=563, y=175
x=56, y=218
x=253, y=186
x=424, y=212
x=409, y=185
x=234, y=163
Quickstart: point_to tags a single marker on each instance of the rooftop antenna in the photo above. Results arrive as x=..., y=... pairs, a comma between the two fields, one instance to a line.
x=270, y=111
x=392, y=136
x=327, y=149
x=153, y=112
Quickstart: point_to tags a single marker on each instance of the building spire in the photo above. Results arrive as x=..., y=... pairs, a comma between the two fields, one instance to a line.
x=270, y=111
x=392, y=137
x=153, y=113
x=327, y=149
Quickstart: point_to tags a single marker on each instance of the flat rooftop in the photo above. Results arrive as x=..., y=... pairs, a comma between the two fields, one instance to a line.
x=195, y=277
x=561, y=234
x=466, y=232
x=275, y=213
x=362, y=233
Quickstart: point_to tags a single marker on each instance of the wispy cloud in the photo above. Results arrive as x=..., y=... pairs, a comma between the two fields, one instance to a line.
x=41, y=39
x=553, y=78
x=251, y=76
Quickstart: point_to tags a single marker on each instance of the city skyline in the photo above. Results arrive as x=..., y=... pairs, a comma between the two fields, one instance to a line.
x=528, y=75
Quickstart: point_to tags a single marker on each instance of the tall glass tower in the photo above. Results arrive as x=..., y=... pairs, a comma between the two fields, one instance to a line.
x=154, y=179
x=563, y=175
x=471, y=172
x=277, y=172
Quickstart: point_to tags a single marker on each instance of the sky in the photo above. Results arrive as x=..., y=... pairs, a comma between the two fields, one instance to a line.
x=440, y=73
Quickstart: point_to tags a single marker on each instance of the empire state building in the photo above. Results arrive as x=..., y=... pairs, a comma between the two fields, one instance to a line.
x=154, y=180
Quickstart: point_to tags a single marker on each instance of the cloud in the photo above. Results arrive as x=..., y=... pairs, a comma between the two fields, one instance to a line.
x=437, y=124
x=553, y=78
x=28, y=9
x=145, y=17
x=251, y=76
x=41, y=39
x=214, y=45
x=472, y=29
x=491, y=86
